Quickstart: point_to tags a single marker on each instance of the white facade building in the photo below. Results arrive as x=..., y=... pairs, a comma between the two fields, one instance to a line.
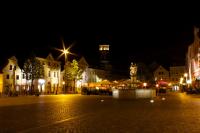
x=51, y=82
x=12, y=75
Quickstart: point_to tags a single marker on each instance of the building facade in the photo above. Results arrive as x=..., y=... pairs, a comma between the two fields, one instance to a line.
x=161, y=75
x=12, y=76
x=176, y=73
x=193, y=60
x=51, y=82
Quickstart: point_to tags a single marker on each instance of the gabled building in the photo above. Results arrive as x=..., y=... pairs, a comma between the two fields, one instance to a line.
x=161, y=74
x=176, y=73
x=52, y=69
x=12, y=76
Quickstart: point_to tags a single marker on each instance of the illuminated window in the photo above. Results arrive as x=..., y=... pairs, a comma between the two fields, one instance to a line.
x=17, y=77
x=103, y=47
x=10, y=67
x=7, y=76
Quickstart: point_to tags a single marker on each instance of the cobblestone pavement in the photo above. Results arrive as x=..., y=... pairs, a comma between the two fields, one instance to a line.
x=178, y=113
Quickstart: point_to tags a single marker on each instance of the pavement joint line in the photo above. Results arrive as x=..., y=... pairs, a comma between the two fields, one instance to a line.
x=54, y=123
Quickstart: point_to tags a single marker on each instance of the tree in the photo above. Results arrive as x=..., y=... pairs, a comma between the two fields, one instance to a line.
x=72, y=72
x=33, y=69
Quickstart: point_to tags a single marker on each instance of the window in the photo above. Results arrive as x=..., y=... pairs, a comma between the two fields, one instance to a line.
x=17, y=77
x=23, y=76
x=14, y=67
x=7, y=76
x=49, y=74
x=54, y=74
x=10, y=67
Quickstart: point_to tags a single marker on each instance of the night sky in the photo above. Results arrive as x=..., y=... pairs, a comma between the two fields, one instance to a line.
x=134, y=38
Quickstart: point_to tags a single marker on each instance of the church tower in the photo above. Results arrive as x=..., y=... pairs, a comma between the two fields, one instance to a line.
x=104, y=52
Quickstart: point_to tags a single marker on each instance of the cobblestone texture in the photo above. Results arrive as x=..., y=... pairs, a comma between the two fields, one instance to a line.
x=179, y=113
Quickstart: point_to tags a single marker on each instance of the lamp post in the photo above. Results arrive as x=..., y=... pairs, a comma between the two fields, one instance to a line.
x=181, y=82
x=63, y=86
x=185, y=75
x=66, y=52
x=145, y=84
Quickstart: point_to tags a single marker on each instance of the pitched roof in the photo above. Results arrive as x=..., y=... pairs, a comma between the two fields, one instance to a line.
x=50, y=57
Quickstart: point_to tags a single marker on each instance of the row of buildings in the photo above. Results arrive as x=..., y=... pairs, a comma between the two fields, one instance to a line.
x=12, y=77
x=190, y=73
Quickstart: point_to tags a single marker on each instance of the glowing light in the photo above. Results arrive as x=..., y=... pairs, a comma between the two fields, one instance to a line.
x=41, y=81
x=157, y=85
x=65, y=51
x=102, y=100
x=78, y=83
x=144, y=84
x=103, y=47
x=189, y=81
x=116, y=93
x=163, y=98
x=181, y=80
x=185, y=74
x=63, y=82
x=115, y=81
x=151, y=101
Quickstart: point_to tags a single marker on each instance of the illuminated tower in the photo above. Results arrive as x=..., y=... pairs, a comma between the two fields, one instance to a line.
x=104, y=42
x=104, y=53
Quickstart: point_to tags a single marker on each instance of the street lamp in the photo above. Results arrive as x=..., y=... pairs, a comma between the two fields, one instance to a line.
x=63, y=86
x=65, y=51
x=185, y=75
x=145, y=84
x=181, y=82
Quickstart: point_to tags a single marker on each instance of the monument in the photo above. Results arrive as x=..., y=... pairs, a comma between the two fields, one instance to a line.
x=134, y=92
x=133, y=74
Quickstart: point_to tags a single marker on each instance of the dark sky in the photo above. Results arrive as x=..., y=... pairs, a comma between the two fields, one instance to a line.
x=143, y=37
